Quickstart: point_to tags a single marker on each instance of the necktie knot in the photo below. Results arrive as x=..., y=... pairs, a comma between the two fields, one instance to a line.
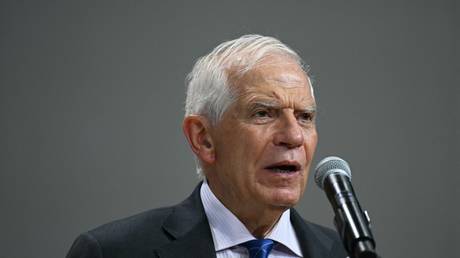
x=258, y=248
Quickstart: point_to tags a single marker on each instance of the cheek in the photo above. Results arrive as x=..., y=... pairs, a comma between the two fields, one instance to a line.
x=311, y=140
x=237, y=150
x=253, y=146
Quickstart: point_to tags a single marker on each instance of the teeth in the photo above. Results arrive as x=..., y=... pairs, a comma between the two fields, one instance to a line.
x=278, y=170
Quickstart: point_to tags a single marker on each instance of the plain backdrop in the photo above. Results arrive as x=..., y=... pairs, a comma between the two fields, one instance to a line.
x=91, y=106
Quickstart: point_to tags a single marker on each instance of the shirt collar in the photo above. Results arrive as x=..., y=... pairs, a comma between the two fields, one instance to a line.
x=228, y=231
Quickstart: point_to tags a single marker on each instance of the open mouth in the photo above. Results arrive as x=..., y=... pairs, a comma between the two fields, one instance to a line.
x=284, y=167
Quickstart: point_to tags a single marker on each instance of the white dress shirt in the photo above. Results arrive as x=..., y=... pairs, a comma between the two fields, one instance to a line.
x=228, y=231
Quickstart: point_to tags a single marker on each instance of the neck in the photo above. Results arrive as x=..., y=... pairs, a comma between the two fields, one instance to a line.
x=260, y=226
x=259, y=219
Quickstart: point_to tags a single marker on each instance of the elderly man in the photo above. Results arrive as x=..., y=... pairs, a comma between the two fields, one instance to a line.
x=250, y=120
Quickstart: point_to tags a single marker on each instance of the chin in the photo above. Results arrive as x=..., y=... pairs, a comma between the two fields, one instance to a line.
x=285, y=198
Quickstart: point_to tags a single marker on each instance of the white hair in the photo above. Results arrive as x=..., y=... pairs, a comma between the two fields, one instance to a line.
x=208, y=85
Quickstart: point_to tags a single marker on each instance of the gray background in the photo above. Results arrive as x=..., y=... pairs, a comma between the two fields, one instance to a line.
x=91, y=102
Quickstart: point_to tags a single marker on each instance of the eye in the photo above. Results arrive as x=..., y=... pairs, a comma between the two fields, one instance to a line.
x=306, y=117
x=261, y=113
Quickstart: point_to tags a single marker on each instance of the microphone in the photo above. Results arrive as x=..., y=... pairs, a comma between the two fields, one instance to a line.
x=333, y=175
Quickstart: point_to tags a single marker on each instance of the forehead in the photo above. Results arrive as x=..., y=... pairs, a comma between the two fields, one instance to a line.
x=276, y=79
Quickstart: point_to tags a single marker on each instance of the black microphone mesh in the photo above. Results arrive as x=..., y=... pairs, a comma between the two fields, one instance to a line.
x=331, y=165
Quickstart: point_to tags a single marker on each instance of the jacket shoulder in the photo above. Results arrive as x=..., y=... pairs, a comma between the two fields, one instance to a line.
x=319, y=241
x=134, y=236
x=326, y=235
x=322, y=231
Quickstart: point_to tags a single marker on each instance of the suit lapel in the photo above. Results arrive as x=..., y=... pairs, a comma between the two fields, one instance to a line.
x=191, y=236
x=189, y=228
x=313, y=244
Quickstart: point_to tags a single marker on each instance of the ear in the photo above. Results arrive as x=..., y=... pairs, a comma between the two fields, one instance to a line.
x=196, y=130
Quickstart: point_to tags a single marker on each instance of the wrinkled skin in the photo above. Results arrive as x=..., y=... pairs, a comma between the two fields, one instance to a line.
x=270, y=124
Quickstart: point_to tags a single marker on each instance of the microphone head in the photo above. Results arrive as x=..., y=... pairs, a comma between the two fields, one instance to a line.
x=331, y=165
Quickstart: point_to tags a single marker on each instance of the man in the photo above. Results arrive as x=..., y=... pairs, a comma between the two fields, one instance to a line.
x=250, y=120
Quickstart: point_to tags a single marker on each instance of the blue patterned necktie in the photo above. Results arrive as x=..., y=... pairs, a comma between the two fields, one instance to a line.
x=259, y=248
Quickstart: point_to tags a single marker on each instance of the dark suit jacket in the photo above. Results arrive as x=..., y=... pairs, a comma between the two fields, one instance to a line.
x=183, y=231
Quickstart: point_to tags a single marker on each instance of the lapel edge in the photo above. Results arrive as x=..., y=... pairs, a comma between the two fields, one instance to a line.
x=189, y=228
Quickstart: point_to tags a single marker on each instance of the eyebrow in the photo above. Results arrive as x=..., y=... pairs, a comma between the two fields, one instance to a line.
x=277, y=105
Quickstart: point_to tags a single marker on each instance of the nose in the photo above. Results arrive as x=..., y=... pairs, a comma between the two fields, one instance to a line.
x=289, y=134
